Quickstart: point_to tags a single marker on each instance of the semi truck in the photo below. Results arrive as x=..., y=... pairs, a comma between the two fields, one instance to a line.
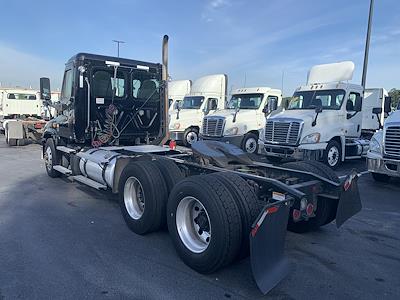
x=207, y=94
x=327, y=119
x=21, y=112
x=383, y=157
x=177, y=90
x=218, y=204
x=243, y=120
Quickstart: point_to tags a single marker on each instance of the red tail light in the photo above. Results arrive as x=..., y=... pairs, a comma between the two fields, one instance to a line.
x=172, y=144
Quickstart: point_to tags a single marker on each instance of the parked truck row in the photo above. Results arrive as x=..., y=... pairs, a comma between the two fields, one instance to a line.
x=219, y=204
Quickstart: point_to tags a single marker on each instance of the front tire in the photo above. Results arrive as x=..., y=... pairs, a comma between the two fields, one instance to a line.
x=51, y=158
x=250, y=143
x=333, y=154
x=190, y=136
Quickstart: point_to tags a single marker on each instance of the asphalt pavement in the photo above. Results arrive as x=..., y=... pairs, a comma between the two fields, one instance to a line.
x=62, y=240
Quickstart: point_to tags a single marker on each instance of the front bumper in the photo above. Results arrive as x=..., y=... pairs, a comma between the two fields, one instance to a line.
x=234, y=140
x=378, y=164
x=301, y=152
x=176, y=135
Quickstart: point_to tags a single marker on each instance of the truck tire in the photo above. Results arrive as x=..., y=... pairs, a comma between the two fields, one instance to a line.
x=247, y=203
x=142, y=197
x=324, y=207
x=204, y=223
x=190, y=136
x=250, y=143
x=170, y=172
x=380, y=177
x=333, y=154
x=51, y=158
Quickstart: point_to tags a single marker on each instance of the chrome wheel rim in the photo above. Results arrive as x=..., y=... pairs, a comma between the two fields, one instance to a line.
x=134, y=198
x=333, y=156
x=193, y=224
x=48, y=158
x=191, y=137
x=250, y=145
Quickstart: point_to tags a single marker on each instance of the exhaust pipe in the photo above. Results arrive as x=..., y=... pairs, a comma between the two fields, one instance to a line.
x=164, y=134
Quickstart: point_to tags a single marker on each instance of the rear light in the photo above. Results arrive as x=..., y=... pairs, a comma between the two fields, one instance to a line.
x=172, y=144
x=310, y=209
x=296, y=214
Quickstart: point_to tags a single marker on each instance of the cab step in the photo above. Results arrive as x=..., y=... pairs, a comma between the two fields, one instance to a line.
x=89, y=182
x=65, y=149
x=62, y=170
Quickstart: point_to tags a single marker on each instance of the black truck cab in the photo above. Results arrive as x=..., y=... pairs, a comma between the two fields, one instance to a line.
x=108, y=101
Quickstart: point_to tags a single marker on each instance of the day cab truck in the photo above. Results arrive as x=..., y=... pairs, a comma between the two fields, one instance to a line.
x=177, y=90
x=383, y=157
x=244, y=117
x=218, y=204
x=328, y=119
x=207, y=94
x=20, y=115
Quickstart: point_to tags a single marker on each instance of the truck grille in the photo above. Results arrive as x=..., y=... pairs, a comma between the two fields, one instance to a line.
x=392, y=141
x=282, y=132
x=213, y=126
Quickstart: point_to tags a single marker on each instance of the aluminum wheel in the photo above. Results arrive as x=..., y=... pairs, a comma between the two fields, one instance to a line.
x=134, y=198
x=333, y=156
x=48, y=158
x=191, y=137
x=193, y=224
x=250, y=145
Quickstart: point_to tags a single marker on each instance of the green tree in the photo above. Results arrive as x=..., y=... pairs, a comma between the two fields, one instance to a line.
x=395, y=94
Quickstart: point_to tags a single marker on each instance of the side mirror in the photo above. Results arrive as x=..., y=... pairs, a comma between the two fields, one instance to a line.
x=272, y=104
x=318, y=109
x=388, y=105
x=45, y=91
x=358, y=104
x=265, y=109
x=377, y=110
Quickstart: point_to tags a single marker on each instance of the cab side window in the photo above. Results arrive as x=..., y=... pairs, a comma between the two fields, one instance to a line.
x=66, y=92
x=212, y=103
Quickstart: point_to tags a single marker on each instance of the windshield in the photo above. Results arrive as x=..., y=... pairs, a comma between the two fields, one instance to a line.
x=327, y=99
x=18, y=96
x=246, y=101
x=191, y=102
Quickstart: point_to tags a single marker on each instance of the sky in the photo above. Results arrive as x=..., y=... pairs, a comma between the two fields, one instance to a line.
x=256, y=43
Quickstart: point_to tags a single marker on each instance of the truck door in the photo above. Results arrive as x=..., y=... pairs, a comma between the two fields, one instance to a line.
x=353, y=121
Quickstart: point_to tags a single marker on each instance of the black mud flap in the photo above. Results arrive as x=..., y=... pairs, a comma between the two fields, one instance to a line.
x=267, y=242
x=349, y=202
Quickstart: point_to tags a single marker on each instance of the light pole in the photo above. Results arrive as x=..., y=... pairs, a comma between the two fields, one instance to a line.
x=118, y=42
x=364, y=74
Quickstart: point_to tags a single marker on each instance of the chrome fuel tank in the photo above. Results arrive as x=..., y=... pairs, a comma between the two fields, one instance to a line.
x=99, y=165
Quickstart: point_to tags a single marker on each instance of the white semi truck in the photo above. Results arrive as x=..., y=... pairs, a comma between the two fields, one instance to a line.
x=177, y=90
x=218, y=204
x=383, y=157
x=243, y=120
x=328, y=119
x=207, y=94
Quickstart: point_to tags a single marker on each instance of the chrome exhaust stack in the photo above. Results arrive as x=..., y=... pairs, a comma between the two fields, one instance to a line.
x=164, y=132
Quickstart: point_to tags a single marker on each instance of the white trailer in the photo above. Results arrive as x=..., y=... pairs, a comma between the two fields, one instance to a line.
x=208, y=94
x=325, y=119
x=243, y=120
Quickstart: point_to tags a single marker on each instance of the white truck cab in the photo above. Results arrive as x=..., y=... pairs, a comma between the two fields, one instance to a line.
x=324, y=119
x=207, y=94
x=177, y=90
x=383, y=157
x=244, y=117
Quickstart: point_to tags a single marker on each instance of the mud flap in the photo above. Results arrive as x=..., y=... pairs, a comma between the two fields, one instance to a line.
x=267, y=242
x=349, y=202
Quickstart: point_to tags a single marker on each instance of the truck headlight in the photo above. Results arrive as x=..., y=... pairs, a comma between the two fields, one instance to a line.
x=311, y=138
x=231, y=131
x=375, y=146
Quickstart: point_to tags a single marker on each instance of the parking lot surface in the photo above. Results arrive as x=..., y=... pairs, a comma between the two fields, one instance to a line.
x=62, y=240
